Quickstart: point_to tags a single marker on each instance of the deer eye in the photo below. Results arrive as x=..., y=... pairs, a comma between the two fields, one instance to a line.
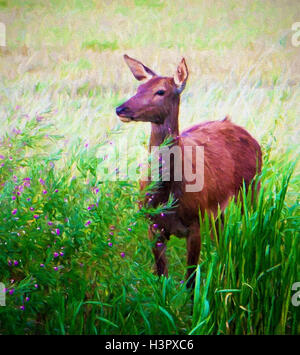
x=160, y=92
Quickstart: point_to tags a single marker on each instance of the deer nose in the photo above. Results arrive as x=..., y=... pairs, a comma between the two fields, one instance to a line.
x=121, y=109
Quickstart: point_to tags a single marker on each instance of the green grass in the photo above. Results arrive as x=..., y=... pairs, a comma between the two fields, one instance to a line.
x=96, y=45
x=62, y=75
x=243, y=281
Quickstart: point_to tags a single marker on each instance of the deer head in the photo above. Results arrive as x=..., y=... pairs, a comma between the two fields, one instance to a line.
x=156, y=96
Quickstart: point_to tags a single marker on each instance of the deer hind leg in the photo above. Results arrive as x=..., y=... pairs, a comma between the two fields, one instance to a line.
x=159, y=252
x=193, y=251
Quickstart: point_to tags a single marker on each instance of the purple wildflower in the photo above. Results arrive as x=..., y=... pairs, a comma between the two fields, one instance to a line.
x=57, y=231
x=11, y=291
x=13, y=198
x=22, y=308
x=55, y=255
x=44, y=192
x=42, y=182
x=110, y=244
x=42, y=265
x=36, y=216
x=122, y=254
x=14, y=211
x=87, y=223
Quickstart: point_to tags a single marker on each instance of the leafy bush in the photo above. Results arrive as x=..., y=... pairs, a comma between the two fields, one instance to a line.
x=75, y=258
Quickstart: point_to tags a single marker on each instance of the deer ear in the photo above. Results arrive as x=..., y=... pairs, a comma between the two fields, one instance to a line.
x=181, y=76
x=139, y=70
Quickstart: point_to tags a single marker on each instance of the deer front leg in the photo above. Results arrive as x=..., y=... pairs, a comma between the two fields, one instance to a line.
x=159, y=249
x=193, y=251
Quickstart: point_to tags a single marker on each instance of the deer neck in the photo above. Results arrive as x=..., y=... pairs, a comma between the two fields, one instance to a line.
x=159, y=132
x=169, y=128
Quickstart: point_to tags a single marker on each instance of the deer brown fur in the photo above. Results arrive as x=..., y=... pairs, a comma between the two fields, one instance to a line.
x=231, y=156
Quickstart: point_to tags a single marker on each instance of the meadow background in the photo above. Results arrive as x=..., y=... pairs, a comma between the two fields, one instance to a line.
x=74, y=252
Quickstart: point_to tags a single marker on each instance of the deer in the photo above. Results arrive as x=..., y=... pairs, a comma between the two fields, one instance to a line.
x=232, y=158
